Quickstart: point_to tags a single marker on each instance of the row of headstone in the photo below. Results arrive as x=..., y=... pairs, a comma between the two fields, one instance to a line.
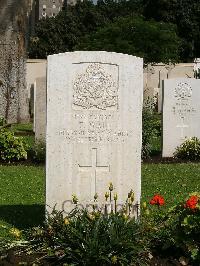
x=180, y=112
x=94, y=127
x=40, y=130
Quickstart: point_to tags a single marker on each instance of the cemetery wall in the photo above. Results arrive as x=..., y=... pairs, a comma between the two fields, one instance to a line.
x=152, y=77
x=35, y=68
x=155, y=74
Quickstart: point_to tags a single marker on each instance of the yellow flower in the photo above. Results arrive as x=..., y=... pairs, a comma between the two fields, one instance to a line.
x=125, y=216
x=74, y=199
x=107, y=195
x=131, y=196
x=111, y=186
x=144, y=205
x=66, y=221
x=91, y=216
x=129, y=201
x=114, y=259
x=115, y=196
x=15, y=232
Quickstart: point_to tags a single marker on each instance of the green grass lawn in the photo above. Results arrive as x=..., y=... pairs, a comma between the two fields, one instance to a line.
x=21, y=196
x=22, y=190
x=25, y=131
x=22, y=127
x=173, y=181
x=155, y=146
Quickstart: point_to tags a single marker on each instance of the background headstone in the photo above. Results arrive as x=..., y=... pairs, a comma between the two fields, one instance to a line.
x=94, y=126
x=197, y=67
x=35, y=68
x=181, y=112
x=40, y=109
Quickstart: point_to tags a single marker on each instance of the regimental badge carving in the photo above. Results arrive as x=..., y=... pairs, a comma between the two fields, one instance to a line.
x=183, y=105
x=183, y=91
x=95, y=89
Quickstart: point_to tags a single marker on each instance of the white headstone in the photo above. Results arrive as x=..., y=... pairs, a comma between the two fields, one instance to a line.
x=94, y=126
x=40, y=109
x=181, y=113
x=197, y=65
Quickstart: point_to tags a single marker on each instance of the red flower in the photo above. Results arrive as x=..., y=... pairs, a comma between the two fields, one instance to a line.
x=191, y=203
x=157, y=200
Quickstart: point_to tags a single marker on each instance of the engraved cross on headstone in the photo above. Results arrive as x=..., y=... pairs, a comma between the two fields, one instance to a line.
x=182, y=126
x=93, y=168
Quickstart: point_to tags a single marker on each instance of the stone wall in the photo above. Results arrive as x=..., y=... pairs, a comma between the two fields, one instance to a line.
x=155, y=74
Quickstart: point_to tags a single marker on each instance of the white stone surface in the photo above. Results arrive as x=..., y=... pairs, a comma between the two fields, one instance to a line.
x=154, y=74
x=35, y=68
x=94, y=126
x=197, y=64
x=181, y=112
x=181, y=71
x=40, y=109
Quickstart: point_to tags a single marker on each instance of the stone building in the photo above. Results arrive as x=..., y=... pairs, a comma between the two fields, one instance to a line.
x=49, y=8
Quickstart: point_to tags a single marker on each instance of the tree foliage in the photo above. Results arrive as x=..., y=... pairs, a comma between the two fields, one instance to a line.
x=155, y=42
x=185, y=14
x=62, y=33
x=145, y=28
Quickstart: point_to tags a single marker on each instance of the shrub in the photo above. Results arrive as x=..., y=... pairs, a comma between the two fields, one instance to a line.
x=149, y=128
x=94, y=235
x=12, y=148
x=179, y=230
x=189, y=150
x=2, y=121
x=92, y=239
x=99, y=238
x=38, y=152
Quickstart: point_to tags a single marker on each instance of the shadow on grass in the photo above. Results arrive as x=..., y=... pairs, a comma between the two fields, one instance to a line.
x=23, y=216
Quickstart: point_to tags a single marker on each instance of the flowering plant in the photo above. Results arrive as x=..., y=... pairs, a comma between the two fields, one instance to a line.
x=189, y=150
x=157, y=200
x=192, y=202
x=179, y=228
